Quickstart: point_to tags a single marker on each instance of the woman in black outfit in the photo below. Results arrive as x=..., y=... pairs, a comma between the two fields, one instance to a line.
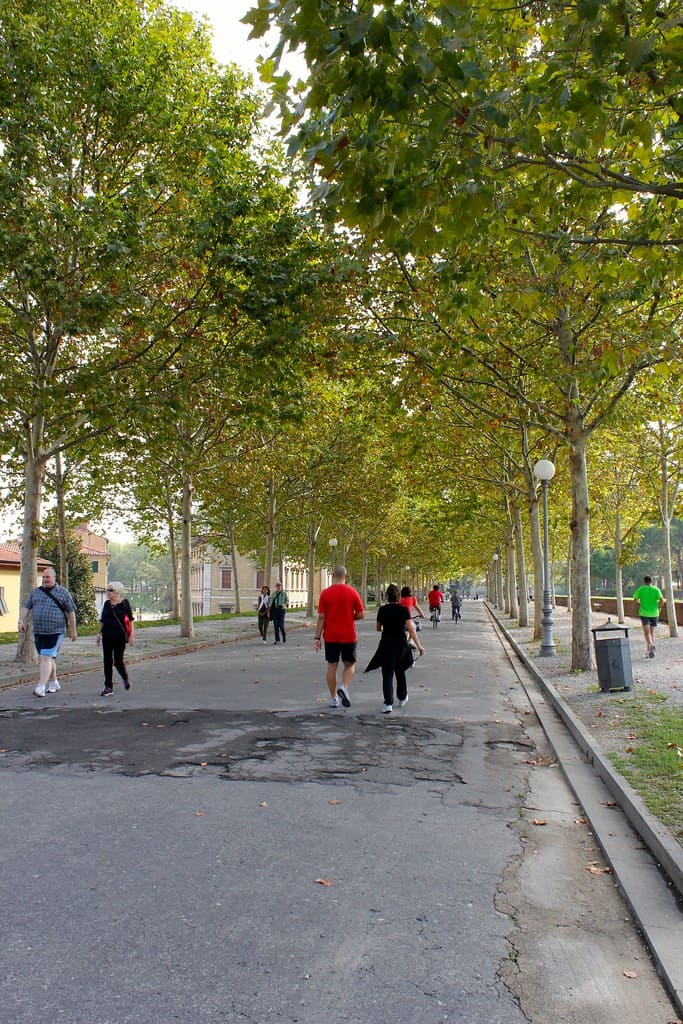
x=393, y=619
x=113, y=635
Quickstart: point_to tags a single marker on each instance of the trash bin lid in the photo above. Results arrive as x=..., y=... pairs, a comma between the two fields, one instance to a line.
x=610, y=626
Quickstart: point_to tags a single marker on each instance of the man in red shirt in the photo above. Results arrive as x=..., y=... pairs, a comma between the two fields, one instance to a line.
x=339, y=608
x=435, y=598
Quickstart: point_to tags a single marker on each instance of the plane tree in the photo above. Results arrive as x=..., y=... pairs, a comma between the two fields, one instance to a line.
x=116, y=124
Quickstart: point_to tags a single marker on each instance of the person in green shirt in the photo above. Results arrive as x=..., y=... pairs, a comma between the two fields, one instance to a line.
x=649, y=599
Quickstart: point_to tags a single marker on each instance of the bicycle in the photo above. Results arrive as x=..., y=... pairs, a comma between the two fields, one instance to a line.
x=435, y=616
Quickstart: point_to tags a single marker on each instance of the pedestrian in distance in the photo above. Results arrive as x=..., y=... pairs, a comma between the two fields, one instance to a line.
x=117, y=628
x=393, y=622
x=650, y=599
x=52, y=611
x=339, y=608
x=279, y=603
x=409, y=601
x=262, y=612
x=456, y=603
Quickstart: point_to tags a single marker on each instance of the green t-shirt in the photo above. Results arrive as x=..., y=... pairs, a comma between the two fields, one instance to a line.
x=648, y=598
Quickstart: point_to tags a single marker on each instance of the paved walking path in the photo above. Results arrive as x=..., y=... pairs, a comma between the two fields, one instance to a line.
x=218, y=845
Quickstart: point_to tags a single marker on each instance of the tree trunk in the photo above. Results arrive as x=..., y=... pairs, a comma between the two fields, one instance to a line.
x=569, y=576
x=512, y=607
x=618, y=570
x=62, y=548
x=582, y=660
x=33, y=484
x=270, y=533
x=521, y=569
x=364, y=573
x=235, y=578
x=537, y=557
x=311, y=544
x=666, y=507
x=186, y=617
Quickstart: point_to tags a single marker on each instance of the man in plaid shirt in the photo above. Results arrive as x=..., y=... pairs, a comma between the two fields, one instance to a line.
x=52, y=610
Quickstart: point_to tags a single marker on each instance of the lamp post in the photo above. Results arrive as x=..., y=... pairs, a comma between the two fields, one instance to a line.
x=495, y=579
x=333, y=548
x=544, y=471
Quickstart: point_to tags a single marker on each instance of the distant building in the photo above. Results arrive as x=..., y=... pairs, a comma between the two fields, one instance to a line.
x=95, y=546
x=10, y=576
x=213, y=580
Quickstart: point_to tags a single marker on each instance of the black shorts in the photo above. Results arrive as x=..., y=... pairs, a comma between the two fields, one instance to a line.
x=334, y=651
x=648, y=620
x=48, y=643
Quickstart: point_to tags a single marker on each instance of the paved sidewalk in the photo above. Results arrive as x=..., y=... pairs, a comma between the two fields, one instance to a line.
x=150, y=642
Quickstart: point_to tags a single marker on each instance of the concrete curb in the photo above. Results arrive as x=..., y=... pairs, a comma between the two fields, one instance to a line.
x=663, y=846
x=650, y=881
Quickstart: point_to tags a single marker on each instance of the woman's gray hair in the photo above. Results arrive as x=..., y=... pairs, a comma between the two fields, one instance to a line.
x=116, y=586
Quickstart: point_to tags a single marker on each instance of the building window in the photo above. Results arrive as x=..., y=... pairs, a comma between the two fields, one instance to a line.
x=226, y=579
x=95, y=566
x=4, y=610
x=260, y=578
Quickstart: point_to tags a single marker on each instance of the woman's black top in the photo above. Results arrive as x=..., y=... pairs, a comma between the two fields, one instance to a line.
x=392, y=618
x=112, y=619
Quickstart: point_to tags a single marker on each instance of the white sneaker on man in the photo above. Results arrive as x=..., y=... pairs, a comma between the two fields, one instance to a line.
x=53, y=686
x=343, y=695
x=402, y=703
x=39, y=690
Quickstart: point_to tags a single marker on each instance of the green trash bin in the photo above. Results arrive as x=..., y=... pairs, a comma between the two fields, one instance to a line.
x=613, y=656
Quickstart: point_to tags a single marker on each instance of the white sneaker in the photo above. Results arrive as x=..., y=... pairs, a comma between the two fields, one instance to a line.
x=39, y=691
x=334, y=703
x=54, y=686
x=343, y=695
x=402, y=703
x=387, y=709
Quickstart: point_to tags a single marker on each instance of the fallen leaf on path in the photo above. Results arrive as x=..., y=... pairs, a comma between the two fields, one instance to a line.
x=631, y=974
x=323, y=881
x=200, y=814
x=609, y=803
x=580, y=821
x=161, y=726
x=539, y=821
x=333, y=802
x=263, y=804
x=593, y=869
x=203, y=764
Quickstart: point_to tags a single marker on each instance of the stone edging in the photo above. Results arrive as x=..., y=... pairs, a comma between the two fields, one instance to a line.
x=663, y=846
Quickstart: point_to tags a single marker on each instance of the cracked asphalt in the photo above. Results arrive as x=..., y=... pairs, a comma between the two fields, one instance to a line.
x=219, y=846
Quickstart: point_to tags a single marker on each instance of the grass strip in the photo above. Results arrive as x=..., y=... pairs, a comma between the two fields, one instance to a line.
x=652, y=758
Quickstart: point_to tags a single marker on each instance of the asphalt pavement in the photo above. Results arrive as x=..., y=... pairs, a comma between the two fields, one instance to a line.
x=217, y=845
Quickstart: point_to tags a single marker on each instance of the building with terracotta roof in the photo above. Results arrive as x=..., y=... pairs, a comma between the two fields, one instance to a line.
x=10, y=576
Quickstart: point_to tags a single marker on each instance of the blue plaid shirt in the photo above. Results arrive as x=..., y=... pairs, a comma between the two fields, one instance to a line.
x=46, y=616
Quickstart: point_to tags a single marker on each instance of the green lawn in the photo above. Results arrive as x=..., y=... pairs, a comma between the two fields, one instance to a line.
x=652, y=759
